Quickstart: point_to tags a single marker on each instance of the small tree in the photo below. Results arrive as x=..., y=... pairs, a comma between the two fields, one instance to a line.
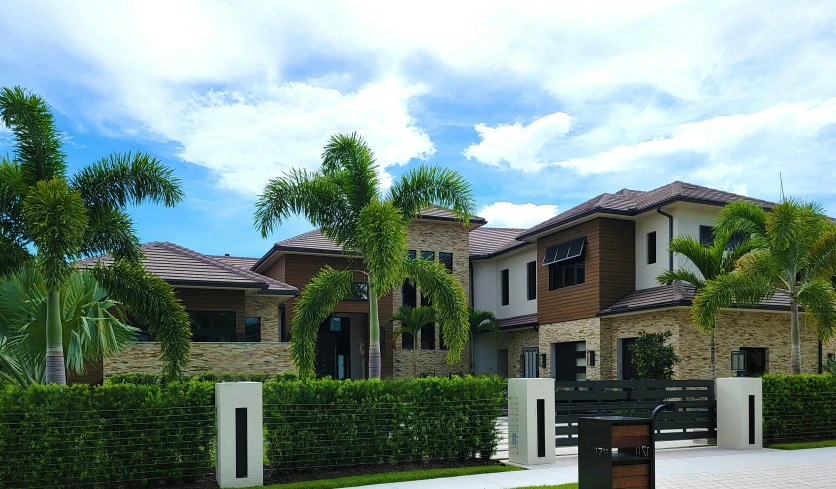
x=653, y=359
x=481, y=322
x=412, y=319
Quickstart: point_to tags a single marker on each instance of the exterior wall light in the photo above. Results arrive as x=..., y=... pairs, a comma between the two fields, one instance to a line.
x=542, y=360
x=590, y=358
x=738, y=362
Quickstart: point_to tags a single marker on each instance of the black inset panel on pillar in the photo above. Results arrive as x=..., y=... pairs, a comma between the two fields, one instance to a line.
x=240, y=443
x=751, y=420
x=541, y=427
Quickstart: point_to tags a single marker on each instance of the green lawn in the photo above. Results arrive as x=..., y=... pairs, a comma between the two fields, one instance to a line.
x=804, y=445
x=388, y=477
x=561, y=486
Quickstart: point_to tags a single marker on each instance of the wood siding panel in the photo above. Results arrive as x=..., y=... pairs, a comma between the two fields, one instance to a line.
x=215, y=300
x=617, y=262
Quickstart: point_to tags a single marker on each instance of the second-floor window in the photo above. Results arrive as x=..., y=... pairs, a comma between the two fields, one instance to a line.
x=408, y=292
x=651, y=248
x=426, y=255
x=531, y=272
x=506, y=288
x=707, y=238
x=566, y=262
x=446, y=259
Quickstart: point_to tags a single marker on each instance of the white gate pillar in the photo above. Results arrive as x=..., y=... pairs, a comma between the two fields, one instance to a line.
x=531, y=421
x=240, y=438
x=740, y=413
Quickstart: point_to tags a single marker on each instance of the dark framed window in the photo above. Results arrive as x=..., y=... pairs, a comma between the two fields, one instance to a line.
x=564, y=251
x=284, y=328
x=567, y=273
x=252, y=329
x=428, y=337
x=409, y=293
x=359, y=292
x=706, y=235
x=212, y=326
x=446, y=259
x=407, y=341
x=651, y=248
x=428, y=255
x=506, y=288
x=531, y=278
x=757, y=361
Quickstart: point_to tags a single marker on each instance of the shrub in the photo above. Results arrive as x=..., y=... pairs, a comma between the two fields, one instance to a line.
x=654, y=360
x=316, y=424
x=799, y=408
x=156, y=379
x=115, y=434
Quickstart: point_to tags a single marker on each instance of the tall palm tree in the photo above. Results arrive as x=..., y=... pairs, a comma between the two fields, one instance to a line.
x=412, y=319
x=794, y=252
x=64, y=217
x=479, y=322
x=345, y=201
x=711, y=261
x=91, y=323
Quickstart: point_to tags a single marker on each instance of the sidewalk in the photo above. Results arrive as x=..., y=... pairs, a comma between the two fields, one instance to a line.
x=691, y=468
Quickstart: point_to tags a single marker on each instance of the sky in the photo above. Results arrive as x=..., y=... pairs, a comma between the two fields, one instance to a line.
x=539, y=105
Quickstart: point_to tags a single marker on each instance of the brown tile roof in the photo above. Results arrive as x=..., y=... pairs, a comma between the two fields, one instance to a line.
x=441, y=213
x=675, y=294
x=632, y=202
x=182, y=266
x=244, y=262
x=486, y=242
x=524, y=321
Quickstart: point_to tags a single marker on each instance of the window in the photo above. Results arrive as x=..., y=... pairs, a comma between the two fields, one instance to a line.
x=409, y=294
x=757, y=361
x=426, y=255
x=651, y=248
x=506, y=292
x=446, y=259
x=428, y=337
x=706, y=235
x=359, y=292
x=532, y=280
x=407, y=341
x=566, y=263
x=212, y=326
x=564, y=251
x=284, y=329
x=252, y=330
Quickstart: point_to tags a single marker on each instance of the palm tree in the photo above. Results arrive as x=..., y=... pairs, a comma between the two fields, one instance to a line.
x=794, y=253
x=480, y=322
x=345, y=201
x=92, y=328
x=65, y=217
x=711, y=261
x=412, y=319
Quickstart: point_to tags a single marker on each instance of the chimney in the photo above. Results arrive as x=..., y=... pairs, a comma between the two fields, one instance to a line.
x=226, y=254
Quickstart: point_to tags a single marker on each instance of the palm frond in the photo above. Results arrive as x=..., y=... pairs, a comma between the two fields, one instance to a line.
x=794, y=224
x=127, y=178
x=742, y=216
x=317, y=301
x=412, y=319
x=727, y=290
x=448, y=300
x=36, y=138
x=152, y=302
x=818, y=299
x=381, y=239
x=110, y=230
x=350, y=160
x=56, y=220
x=481, y=321
x=821, y=262
x=681, y=275
x=425, y=186
x=703, y=258
x=11, y=369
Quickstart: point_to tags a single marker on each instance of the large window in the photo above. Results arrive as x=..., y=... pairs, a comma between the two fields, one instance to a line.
x=446, y=259
x=407, y=341
x=428, y=337
x=566, y=262
x=252, y=329
x=212, y=326
x=707, y=238
x=409, y=294
x=757, y=361
x=426, y=255
x=284, y=328
x=651, y=248
x=506, y=288
x=531, y=273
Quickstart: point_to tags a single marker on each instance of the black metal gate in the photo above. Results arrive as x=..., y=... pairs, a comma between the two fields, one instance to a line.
x=692, y=412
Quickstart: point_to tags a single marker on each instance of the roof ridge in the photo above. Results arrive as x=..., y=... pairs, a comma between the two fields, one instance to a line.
x=219, y=263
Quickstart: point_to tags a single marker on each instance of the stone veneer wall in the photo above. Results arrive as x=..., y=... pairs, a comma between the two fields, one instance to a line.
x=734, y=329
x=588, y=330
x=438, y=237
x=267, y=308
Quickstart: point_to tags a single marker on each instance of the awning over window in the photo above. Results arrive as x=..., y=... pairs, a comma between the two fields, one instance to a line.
x=564, y=251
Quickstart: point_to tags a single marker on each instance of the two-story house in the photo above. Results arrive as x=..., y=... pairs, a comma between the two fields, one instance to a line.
x=593, y=269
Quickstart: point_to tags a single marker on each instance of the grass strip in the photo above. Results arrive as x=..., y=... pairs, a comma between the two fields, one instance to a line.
x=804, y=445
x=389, y=477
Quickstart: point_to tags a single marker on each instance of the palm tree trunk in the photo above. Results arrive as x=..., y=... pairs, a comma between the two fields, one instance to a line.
x=796, y=338
x=374, y=336
x=414, y=359
x=713, y=354
x=55, y=371
x=472, y=355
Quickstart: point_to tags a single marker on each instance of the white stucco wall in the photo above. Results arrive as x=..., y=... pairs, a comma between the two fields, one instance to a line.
x=687, y=220
x=487, y=283
x=486, y=352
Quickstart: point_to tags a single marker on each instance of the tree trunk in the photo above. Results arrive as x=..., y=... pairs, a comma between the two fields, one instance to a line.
x=713, y=354
x=472, y=354
x=55, y=371
x=796, y=338
x=414, y=358
x=374, y=336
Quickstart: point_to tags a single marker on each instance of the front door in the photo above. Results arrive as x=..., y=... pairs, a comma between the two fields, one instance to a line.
x=502, y=363
x=569, y=360
x=628, y=370
x=529, y=368
x=333, y=348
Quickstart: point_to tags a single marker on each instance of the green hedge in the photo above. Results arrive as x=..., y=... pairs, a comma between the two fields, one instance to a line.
x=119, y=434
x=156, y=379
x=316, y=424
x=799, y=408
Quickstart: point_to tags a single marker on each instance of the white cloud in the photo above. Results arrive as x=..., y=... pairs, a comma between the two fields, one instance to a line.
x=520, y=147
x=717, y=138
x=508, y=215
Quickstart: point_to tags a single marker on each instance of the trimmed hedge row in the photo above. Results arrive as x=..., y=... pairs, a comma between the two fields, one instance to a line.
x=328, y=423
x=799, y=408
x=53, y=436
x=157, y=379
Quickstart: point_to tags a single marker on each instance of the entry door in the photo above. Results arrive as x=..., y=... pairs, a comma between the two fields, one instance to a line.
x=628, y=370
x=569, y=361
x=529, y=363
x=502, y=363
x=333, y=349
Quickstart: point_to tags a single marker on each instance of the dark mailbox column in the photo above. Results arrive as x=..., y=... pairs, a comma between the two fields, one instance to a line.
x=615, y=452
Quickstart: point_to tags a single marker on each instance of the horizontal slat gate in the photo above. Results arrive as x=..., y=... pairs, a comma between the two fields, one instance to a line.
x=694, y=414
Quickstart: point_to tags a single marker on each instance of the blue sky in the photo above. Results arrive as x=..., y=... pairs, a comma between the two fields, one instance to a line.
x=540, y=105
